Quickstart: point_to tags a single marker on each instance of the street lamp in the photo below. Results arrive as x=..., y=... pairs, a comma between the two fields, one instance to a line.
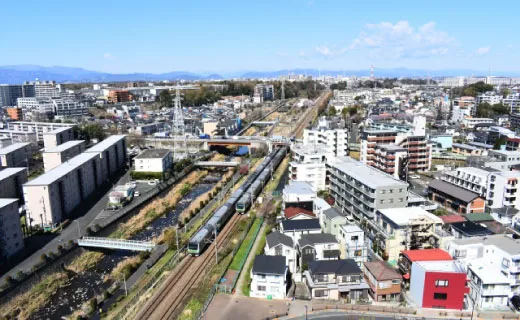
x=305, y=312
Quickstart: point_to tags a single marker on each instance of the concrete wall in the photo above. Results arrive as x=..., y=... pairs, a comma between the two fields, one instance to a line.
x=11, y=186
x=11, y=232
x=57, y=137
x=53, y=159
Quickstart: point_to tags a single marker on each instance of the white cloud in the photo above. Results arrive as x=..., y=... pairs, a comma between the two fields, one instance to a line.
x=483, y=51
x=107, y=56
x=401, y=40
x=330, y=52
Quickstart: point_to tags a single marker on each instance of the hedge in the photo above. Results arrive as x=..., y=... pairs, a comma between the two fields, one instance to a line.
x=146, y=175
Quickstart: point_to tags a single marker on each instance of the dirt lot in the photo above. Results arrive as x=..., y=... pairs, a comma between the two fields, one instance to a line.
x=226, y=306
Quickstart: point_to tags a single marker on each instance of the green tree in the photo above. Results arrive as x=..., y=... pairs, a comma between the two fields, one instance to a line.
x=500, y=108
x=483, y=110
x=332, y=111
x=165, y=99
x=502, y=140
x=344, y=113
x=505, y=92
x=92, y=131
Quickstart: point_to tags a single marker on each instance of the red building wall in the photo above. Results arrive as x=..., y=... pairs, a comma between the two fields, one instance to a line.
x=457, y=287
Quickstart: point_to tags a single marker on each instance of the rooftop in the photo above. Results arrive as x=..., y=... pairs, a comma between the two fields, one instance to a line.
x=14, y=147
x=403, y=216
x=61, y=170
x=347, y=228
x=275, y=238
x=153, y=154
x=55, y=131
x=452, y=190
x=464, y=146
x=107, y=143
x=299, y=187
x=381, y=270
x=478, y=217
x=269, y=264
x=504, y=242
x=426, y=255
x=452, y=218
x=368, y=175
x=316, y=238
x=292, y=212
x=304, y=224
x=442, y=266
x=332, y=213
x=7, y=172
x=339, y=267
x=488, y=271
x=7, y=201
x=471, y=229
x=65, y=146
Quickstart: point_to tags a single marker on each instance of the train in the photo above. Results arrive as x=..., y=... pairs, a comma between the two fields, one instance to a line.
x=239, y=201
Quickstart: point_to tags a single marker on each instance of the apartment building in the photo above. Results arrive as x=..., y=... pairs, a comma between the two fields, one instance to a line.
x=154, y=160
x=513, y=102
x=18, y=136
x=419, y=153
x=9, y=94
x=11, y=238
x=488, y=98
x=67, y=108
x=463, y=107
x=112, y=152
x=308, y=164
x=54, y=157
x=501, y=252
x=44, y=89
x=469, y=178
x=117, y=96
x=470, y=122
x=16, y=155
x=438, y=284
x=360, y=190
x=11, y=182
x=327, y=134
x=502, y=189
x=298, y=194
x=56, y=137
x=14, y=113
x=5, y=141
x=489, y=289
x=36, y=127
x=455, y=198
x=266, y=91
x=51, y=197
x=32, y=105
x=390, y=158
x=466, y=149
x=398, y=229
x=371, y=138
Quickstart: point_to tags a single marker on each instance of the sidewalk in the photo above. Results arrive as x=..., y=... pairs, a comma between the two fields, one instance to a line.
x=250, y=257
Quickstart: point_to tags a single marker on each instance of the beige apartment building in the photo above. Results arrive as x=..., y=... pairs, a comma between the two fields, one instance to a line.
x=51, y=197
x=11, y=182
x=16, y=155
x=56, y=156
x=112, y=152
x=58, y=136
x=11, y=238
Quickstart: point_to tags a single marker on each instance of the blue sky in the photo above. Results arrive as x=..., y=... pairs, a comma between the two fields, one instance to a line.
x=226, y=36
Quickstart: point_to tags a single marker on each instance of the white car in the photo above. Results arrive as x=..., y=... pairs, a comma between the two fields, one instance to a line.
x=137, y=194
x=152, y=182
x=415, y=177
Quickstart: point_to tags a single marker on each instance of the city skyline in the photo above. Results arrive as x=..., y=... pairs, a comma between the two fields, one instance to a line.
x=232, y=37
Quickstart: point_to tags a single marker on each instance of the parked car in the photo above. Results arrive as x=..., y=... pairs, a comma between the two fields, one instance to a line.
x=137, y=194
x=152, y=182
x=514, y=303
x=415, y=176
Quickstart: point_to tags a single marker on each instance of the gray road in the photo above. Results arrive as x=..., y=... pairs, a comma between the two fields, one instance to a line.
x=69, y=233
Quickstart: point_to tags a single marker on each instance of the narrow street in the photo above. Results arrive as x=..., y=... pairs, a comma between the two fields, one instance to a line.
x=250, y=258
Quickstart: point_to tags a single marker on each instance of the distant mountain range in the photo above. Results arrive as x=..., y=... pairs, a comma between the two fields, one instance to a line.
x=20, y=73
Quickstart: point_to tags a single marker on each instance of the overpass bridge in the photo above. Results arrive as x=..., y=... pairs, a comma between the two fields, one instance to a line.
x=116, y=244
x=264, y=123
x=216, y=163
x=204, y=144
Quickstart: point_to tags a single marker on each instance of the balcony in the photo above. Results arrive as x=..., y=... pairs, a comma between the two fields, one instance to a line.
x=386, y=138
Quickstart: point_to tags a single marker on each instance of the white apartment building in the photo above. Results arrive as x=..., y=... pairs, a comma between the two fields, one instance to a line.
x=64, y=108
x=113, y=154
x=11, y=238
x=266, y=91
x=51, y=197
x=352, y=243
x=469, y=178
x=154, y=160
x=44, y=89
x=56, y=137
x=58, y=155
x=503, y=190
x=5, y=141
x=308, y=164
x=489, y=289
x=360, y=190
x=11, y=182
x=469, y=122
x=453, y=82
x=269, y=277
x=18, y=136
x=500, y=251
x=36, y=127
x=16, y=155
x=488, y=98
x=333, y=139
x=513, y=102
x=33, y=104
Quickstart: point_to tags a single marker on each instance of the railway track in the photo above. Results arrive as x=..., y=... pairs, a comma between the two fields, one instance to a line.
x=167, y=302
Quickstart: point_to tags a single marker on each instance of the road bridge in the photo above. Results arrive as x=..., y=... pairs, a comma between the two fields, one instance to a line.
x=216, y=163
x=116, y=244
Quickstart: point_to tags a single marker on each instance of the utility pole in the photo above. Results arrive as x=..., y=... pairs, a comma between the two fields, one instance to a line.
x=216, y=247
x=124, y=282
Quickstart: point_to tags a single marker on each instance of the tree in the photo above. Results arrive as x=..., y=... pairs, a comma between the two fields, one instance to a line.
x=502, y=140
x=500, y=108
x=332, y=111
x=92, y=131
x=483, y=110
x=165, y=99
x=505, y=92
x=344, y=113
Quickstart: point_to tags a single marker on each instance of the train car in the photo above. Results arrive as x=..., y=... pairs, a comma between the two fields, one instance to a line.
x=200, y=241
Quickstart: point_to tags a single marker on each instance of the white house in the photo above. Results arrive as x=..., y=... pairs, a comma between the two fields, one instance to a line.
x=320, y=246
x=352, y=243
x=331, y=220
x=278, y=244
x=296, y=228
x=489, y=289
x=154, y=160
x=269, y=277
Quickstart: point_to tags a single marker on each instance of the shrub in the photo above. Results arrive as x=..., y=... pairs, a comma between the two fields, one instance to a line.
x=20, y=275
x=146, y=175
x=186, y=220
x=60, y=248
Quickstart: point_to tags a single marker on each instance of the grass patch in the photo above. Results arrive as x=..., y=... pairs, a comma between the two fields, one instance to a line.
x=242, y=252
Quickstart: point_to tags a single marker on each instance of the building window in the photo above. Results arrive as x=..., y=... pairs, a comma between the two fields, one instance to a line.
x=391, y=191
x=382, y=201
x=261, y=288
x=383, y=191
x=440, y=296
x=261, y=276
x=354, y=238
x=320, y=293
x=441, y=283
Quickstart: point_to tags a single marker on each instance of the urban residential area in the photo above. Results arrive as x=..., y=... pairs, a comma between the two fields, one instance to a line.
x=315, y=160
